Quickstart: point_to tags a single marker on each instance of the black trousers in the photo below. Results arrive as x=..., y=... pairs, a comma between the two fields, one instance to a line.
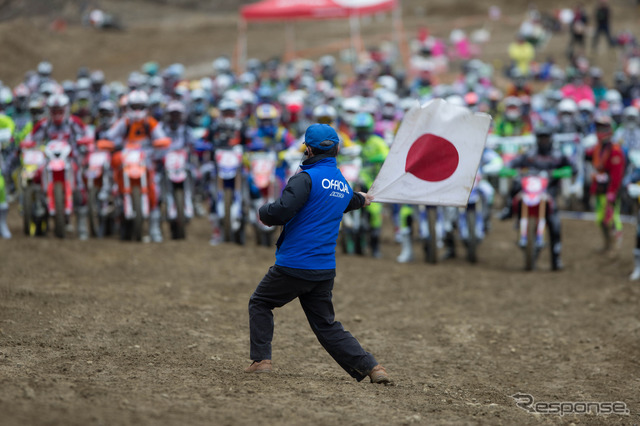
x=277, y=289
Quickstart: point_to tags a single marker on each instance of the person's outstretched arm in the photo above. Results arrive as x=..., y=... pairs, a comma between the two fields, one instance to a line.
x=293, y=198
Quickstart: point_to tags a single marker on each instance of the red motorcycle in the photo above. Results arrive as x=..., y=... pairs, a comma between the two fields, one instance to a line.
x=97, y=175
x=34, y=206
x=178, y=192
x=262, y=175
x=534, y=202
x=59, y=184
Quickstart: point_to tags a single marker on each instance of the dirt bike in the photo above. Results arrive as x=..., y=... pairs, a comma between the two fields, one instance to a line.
x=571, y=189
x=352, y=230
x=59, y=184
x=263, y=179
x=431, y=231
x=100, y=202
x=509, y=147
x=178, y=193
x=34, y=206
x=533, y=201
x=229, y=184
x=471, y=221
x=133, y=197
x=202, y=172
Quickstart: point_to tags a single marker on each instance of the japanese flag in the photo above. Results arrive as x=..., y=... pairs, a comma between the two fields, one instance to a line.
x=434, y=157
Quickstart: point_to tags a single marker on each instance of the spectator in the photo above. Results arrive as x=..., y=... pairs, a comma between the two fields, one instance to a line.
x=577, y=28
x=521, y=53
x=602, y=18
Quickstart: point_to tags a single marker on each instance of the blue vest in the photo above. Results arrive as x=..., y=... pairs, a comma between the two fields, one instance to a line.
x=309, y=239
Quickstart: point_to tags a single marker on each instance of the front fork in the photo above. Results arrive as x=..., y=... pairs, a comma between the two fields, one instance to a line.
x=524, y=224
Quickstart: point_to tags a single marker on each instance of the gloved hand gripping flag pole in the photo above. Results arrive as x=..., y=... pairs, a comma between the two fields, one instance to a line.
x=434, y=157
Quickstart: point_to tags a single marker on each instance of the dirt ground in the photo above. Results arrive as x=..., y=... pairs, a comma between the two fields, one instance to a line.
x=106, y=332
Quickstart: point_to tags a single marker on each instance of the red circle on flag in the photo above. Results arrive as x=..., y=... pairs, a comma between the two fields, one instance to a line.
x=432, y=158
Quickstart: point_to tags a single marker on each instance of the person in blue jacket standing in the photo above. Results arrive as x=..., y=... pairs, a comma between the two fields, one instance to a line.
x=310, y=208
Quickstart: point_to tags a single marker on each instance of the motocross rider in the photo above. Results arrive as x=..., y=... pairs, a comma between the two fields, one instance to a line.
x=609, y=163
x=543, y=158
x=137, y=128
x=374, y=152
x=7, y=125
x=61, y=125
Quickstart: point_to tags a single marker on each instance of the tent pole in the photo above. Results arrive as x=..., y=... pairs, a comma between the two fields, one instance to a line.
x=354, y=21
x=242, y=46
x=290, y=44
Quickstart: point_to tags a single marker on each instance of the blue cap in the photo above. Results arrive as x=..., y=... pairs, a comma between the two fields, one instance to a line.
x=318, y=133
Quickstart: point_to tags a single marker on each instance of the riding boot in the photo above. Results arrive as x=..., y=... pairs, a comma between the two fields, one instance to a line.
x=155, y=231
x=635, y=275
x=216, y=236
x=375, y=243
x=606, y=234
x=83, y=223
x=556, y=242
x=406, y=255
x=449, y=246
x=4, y=229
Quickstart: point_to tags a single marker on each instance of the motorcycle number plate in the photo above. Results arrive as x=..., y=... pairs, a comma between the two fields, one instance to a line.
x=33, y=157
x=56, y=165
x=227, y=159
x=351, y=172
x=175, y=160
x=134, y=157
x=98, y=159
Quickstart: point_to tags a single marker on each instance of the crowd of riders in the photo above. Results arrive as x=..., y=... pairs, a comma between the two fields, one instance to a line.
x=266, y=108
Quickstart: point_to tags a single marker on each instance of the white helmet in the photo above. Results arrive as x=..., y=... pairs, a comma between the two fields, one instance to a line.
x=567, y=106
x=631, y=113
x=137, y=102
x=325, y=114
x=350, y=107
x=58, y=106
x=223, y=82
x=175, y=106
x=612, y=96
x=586, y=105
x=388, y=82
x=221, y=65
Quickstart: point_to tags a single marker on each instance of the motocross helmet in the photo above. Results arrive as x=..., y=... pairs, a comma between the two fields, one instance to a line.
x=325, y=114
x=631, y=117
x=389, y=109
x=106, y=113
x=604, y=129
x=512, y=108
x=58, y=108
x=543, y=139
x=228, y=113
x=175, y=114
x=137, y=102
x=37, y=108
x=44, y=69
x=363, y=124
x=268, y=116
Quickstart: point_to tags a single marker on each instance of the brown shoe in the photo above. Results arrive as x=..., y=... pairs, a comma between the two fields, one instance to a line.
x=263, y=366
x=379, y=375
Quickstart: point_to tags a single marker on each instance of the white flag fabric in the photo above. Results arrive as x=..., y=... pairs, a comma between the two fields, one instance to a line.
x=434, y=157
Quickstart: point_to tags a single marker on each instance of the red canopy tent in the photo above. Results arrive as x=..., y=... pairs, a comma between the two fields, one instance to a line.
x=294, y=10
